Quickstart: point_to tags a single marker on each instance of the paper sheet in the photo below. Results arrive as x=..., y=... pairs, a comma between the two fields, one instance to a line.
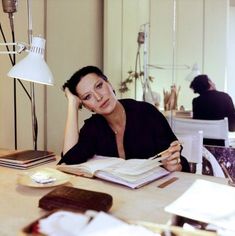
x=207, y=202
x=62, y=224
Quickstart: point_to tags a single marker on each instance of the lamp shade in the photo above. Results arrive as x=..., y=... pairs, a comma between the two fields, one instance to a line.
x=33, y=67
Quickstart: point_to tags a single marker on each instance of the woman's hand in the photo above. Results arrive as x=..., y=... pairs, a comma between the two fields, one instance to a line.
x=71, y=133
x=172, y=163
x=72, y=99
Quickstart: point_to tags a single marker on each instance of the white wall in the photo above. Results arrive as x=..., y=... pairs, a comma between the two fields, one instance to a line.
x=231, y=55
x=74, y=32
x=120, y=39
x=75, y=38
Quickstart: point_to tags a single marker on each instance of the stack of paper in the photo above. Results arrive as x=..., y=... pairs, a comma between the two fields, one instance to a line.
x=62, y=224
x=207, y=202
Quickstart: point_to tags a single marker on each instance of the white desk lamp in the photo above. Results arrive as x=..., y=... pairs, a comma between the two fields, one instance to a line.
x=33, y=67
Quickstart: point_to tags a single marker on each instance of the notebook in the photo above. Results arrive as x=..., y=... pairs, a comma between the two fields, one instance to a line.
x=26, y=159
x=71, y=198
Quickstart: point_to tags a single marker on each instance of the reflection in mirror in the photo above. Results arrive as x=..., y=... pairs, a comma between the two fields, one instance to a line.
x=180, y=34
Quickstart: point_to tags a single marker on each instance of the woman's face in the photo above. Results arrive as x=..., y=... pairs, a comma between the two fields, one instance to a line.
x=96, y=94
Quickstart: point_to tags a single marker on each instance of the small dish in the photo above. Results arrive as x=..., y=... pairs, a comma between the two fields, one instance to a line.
x=57, y=178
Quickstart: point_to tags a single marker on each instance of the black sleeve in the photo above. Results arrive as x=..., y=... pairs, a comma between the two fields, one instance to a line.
x=168, y=135
x=163, y=129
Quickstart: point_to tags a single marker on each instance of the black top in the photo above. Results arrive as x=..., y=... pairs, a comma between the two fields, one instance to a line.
x=214, y=105
x=147, y=133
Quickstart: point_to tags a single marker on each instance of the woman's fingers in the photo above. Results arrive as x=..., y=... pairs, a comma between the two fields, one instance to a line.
x=73, y=99
x=175, y=146
x=171, y=168
x=173, y=151
x=175, y=143
x=173, y=158
x=172, y=163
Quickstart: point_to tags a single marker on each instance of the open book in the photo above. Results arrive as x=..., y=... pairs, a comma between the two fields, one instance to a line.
x=132, y=173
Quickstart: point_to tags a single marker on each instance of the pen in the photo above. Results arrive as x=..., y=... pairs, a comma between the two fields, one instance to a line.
x=160, y=154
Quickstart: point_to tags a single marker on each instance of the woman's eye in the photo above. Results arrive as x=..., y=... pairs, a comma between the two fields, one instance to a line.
x=87, y=97
x=99, y=85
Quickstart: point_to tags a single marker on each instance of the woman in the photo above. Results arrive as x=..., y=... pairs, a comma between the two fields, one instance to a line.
x=122, y=128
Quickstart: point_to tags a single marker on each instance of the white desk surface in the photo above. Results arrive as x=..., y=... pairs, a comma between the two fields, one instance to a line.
x=19, y=204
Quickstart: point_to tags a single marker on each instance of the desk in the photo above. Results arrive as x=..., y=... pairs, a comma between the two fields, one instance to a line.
x=19, y=204
x=179, y=114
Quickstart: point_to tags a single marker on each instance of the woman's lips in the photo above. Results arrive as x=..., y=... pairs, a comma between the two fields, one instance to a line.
x=104, y=104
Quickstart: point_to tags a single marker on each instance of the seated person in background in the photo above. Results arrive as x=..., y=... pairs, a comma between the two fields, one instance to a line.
x=122, y=128
x=211, y=104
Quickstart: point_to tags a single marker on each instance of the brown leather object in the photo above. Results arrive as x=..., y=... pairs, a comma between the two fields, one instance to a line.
x=70, y=198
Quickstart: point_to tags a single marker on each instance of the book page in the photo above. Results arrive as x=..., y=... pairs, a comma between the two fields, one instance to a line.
x=133, y=181
x=132, y=172
x=88, y=168
x=135, y=166
x=207, y=202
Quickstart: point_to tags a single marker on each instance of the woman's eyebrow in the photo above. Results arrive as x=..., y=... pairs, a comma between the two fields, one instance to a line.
x=95, y=84
x=84, y=95
x=80, y=95
x=98, y=81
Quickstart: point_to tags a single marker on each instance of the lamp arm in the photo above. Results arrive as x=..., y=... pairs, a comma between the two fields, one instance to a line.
x=169, y=67
x=21, y=47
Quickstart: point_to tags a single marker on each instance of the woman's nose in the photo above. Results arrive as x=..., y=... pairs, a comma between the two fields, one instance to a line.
x=98, y=96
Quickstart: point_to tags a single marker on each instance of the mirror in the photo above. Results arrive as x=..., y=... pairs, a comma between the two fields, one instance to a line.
x=180, y=34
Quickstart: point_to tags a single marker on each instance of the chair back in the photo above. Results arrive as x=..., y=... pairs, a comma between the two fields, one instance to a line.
x=192, y=143
x=212, y=129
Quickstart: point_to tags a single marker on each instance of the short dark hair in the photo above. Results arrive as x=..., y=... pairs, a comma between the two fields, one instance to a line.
x=78, y=75
x=200, y=84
